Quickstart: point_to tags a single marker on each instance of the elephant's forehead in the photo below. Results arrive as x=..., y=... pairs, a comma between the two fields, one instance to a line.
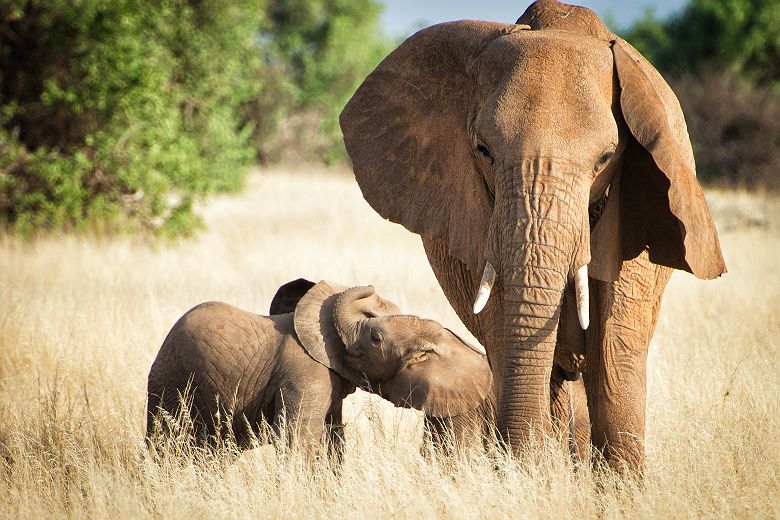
x=553, y=88
x=550, y=57
x=410, y=325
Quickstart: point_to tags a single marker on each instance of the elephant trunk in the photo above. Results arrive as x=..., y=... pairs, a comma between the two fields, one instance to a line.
x=541, y=242
x=347, y=313
x=532, y=304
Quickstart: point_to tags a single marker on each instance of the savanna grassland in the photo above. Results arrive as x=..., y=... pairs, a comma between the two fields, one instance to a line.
x=81, y=320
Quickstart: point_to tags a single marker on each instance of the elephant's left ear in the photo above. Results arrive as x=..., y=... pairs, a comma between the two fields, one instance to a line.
x=661, y=204
x=405, y=130
x=449, y=380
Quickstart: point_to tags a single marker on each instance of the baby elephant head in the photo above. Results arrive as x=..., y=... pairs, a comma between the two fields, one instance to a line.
x=409, y=361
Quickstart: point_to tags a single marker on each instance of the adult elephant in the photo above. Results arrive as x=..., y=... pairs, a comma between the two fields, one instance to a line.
x=551, y=158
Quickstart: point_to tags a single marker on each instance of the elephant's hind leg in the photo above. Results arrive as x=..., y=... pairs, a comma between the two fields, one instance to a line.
x=569, y=410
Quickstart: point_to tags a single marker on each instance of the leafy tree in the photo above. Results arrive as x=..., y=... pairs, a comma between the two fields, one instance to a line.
x=324, y=48
x=121, y=113
x=742, y=35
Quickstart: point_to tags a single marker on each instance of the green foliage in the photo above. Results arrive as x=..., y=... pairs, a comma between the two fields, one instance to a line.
x=323, y=49
x=115, y=115
x=742, y=35
x=722, y=58
x=120, y=115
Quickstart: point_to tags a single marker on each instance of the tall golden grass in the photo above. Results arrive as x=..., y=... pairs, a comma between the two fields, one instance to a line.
x=81, y=320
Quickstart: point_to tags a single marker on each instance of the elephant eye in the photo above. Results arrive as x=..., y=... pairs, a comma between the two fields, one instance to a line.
x=604, y=160
x=376, y=337
x=484, y=150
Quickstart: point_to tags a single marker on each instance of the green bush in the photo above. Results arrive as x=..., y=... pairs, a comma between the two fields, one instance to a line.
x=722, y=58
x=120, y=114
x=318, y=51
x=739, y=35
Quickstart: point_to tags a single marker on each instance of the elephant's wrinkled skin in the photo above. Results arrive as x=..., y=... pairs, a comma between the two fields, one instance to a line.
x=540, y=153
x=325, y=341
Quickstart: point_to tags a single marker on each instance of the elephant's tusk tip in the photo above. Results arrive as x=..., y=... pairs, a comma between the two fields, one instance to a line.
x=584, y=320
x=485, y=286
x=481, y=301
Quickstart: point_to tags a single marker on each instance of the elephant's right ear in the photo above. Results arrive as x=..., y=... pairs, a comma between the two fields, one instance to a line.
x=405, y=130
x=322, y=334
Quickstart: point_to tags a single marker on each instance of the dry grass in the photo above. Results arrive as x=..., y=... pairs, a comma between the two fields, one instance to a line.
x=81, y=320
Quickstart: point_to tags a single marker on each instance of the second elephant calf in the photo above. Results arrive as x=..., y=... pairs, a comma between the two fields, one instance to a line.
x=321, y=342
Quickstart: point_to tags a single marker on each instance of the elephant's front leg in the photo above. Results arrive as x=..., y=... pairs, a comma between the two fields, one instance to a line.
x=626, y=313
x=568, y=403
x=301, y=419
x=462, y=433
x=334, y=427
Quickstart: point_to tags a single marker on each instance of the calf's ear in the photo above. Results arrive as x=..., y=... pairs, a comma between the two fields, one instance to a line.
x=288, y=295
x=316, y=332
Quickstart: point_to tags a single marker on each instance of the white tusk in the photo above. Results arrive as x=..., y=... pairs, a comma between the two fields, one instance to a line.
x=485, y=286
x=583, y=298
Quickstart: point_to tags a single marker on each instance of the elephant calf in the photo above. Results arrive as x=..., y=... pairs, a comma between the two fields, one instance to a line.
x=320, y=343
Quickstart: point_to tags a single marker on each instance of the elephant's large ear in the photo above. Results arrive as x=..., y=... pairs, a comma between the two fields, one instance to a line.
x=449, y=380
x=661, y=204
x=314, y=327
x=317, y=330
x=405, y=130
x=288, y=295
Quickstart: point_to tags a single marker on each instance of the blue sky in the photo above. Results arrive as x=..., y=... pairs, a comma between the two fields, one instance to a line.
x=403, y=17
